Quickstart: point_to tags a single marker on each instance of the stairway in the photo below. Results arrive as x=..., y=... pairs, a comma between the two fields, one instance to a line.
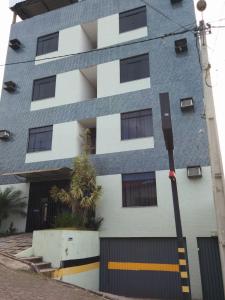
x=39, y=265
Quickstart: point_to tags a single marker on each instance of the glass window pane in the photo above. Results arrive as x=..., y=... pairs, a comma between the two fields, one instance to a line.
x=132, y=19
x=47, y=43
x=40, y=139
x=136, y=124
x=44, y=88
x=134, y=68
x=139, y=189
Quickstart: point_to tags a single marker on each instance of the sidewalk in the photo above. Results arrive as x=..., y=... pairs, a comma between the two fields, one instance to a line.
x=17, y=282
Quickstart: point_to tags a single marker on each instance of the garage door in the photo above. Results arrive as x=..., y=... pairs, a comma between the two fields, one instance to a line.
x=140, y=267
x=211, y=273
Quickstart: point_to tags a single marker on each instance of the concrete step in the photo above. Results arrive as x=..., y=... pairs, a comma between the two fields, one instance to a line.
x=43, y=265
x=47, y=272
x=33, y=259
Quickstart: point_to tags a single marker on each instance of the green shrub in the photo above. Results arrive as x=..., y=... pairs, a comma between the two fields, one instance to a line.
x=69, y=220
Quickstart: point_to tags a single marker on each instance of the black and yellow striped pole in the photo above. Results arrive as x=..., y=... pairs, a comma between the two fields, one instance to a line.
x=181, y=243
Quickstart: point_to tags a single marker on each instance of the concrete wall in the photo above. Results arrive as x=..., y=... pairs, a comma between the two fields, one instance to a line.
x=18, y=222
x=68, y=44
x=197, y=214
x=66, y=143
x=108, y=82
x=108, y=32
x=71, y=87
x=109, y=137
x=56, y=246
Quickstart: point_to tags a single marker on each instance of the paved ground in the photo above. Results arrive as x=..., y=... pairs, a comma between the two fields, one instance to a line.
x=15, y=243
x=21, y=285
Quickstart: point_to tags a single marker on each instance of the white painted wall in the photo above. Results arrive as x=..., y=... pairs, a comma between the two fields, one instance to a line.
x=108, y=83
x=87, y=280
x=108, y=32
x=72, y=40
x=57, y=245
x=109, y=143
x=197, y=213
x=71, y=87
x=66, y=143
x=19, y=222
x=196, y=204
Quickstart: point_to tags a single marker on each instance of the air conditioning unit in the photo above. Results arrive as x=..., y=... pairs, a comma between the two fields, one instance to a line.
x=194, y=171
x=14, y=44
x=4, y=134
x=9, y=86
x=175, y=1
x=186, y=103
x=181, y=46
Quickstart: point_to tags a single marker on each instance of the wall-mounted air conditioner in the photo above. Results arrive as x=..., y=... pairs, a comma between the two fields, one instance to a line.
x=9, y=86
x=14, y=44
x=186, y=104
x=4, y=134
x=194, y=171
x=181, y=46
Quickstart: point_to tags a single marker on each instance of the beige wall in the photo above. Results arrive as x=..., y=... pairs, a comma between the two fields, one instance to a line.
x=66, y=143
x=108, y=32
x=108, y=75
x=109, y=143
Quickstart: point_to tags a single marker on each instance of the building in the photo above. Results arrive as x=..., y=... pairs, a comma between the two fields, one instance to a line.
x=101, y=64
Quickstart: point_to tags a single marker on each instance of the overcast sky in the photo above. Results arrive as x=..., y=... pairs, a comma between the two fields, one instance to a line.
x=216, y=45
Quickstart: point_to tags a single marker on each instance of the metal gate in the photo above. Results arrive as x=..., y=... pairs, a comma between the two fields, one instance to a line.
x=211, y=274
x=140, y=267
x=42, y=210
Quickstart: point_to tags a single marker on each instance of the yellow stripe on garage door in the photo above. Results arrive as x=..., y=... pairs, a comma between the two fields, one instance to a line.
x=75, y=270
x=130, y=266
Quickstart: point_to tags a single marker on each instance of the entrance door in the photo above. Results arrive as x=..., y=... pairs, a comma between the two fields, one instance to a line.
x=42, y=210
x=211, y=274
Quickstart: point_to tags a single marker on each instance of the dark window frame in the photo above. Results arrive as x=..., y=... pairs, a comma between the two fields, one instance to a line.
x=128, y=71
x=43, y=129
x=139, y=116
x=133, y=19
x=138, y=179
x=41, y=39
x=50, y=94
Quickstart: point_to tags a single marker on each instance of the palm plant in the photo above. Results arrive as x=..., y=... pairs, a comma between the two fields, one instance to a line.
x=84, y=192
x=11, y=202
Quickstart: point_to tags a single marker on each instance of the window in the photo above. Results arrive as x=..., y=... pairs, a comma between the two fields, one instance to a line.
x=136, y=124
x=44, y=88
x=139, y=189
x=134, y=68
x=133, y=19
x=47, y=43
x=40, y=139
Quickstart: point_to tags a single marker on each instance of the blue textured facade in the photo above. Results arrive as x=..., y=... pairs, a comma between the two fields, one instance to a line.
x=178, y=75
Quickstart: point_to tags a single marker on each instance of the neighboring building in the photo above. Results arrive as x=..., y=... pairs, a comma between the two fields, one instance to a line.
x=111, y=84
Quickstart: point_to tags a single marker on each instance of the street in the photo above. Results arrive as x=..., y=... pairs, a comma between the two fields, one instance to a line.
x=21, y=285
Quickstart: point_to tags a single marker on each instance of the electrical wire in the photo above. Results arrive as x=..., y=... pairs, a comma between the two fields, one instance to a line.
x=163, y=14
x=219, y=26
x=166, y=35
x=198, y=52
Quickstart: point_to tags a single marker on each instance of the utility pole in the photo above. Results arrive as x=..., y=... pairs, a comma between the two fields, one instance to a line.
x=214, y=149
x=181, y=243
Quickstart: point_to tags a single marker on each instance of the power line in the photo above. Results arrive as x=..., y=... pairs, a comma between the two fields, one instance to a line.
x=100, y=49
x=163, y=14
x=219, y=26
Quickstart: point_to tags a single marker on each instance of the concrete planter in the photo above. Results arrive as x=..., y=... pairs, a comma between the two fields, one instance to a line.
x=74, y=253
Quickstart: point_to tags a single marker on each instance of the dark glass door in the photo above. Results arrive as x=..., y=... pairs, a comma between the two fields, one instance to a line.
x=42, y=209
